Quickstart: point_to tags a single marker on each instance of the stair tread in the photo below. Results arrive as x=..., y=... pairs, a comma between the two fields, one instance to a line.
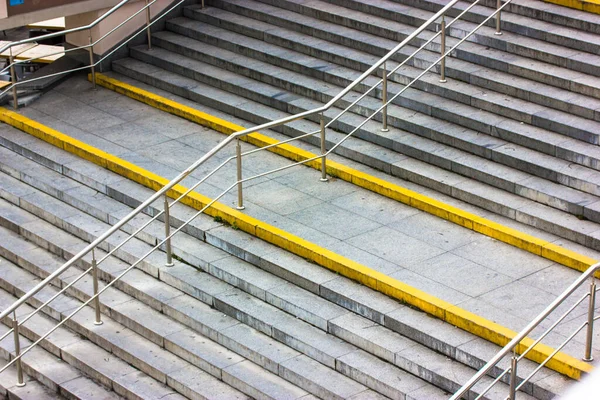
x=532, y=66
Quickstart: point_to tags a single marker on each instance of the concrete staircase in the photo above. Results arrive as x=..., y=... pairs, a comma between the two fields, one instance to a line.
x=513, y=131
x=234, y=318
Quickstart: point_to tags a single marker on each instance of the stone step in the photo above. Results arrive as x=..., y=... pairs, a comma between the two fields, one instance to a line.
x=286, y=27
x=505, y=178
x=485, y=78
x=531, y=27
x=476, y=92
x=266, y=319
x=499, y=150
x=95, y=358
x=321, y=343
x=501, y=129
x=48, y=376
x=521, y=36
x=33, y=390
x=157, y=345
x=547, y=12
x=358, y=59
x=285, y=297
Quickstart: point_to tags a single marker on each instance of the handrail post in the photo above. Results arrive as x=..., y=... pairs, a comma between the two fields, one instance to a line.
x=590, y=322
x=92, y=66
x=98, y=320
x=148, y=24
x=498, y=17
x=202, y=3
x=323, y=150
x=20, y=380
x=513, y=377
x=169, y=262
x=13, y=77
x=384, y=97
x=238, y=156
x=443, y=51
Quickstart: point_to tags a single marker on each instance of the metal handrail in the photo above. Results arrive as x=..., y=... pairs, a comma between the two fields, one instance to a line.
x=215, y=150
x=511, y=347
x=234, y=137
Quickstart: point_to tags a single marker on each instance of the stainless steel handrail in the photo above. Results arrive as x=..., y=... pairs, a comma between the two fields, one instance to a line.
x=510, y=348
x=214, y=151
x=234, y=137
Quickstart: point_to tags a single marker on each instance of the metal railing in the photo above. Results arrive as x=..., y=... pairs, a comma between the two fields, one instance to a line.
x=510, y=350
x=163, y=193
x=14, y=48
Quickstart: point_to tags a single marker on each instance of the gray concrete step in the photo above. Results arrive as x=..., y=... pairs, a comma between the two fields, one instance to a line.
x=47, y=375
x=189, y=362
x=356, y=56
x=476, y=56
x=524, y=25
x=223, y=49
x=521, y=36
x=223, y=301
x=480, y=82
x=100, y=364
x=553, y=13
x=277, y=293
x=505, y=178
x=264, y=318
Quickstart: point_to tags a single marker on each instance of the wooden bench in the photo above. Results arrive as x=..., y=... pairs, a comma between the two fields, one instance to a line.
x=36, y=52
x=55, y=25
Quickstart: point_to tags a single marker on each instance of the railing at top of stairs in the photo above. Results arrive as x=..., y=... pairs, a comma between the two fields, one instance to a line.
x=379, y=68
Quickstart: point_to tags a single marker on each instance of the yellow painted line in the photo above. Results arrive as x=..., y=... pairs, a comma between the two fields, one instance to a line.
x=592, y=6
x=441, y=309
x=468, y=220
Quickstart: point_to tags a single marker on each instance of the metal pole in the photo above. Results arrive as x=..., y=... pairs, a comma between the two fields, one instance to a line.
x=167, y=234
x=20, y=381
x=148, y=25
x=98, y=320
x=384, y=97
x=590, y=323
x=443, y=51
x=513, y=378
x=238, y=154
x=498, y=5
x=91, y=51
x=202, y=3
x=323, y=151
x=13, y=77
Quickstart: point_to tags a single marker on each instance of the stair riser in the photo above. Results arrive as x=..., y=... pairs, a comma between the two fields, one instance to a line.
x=461, y=53
x=457, y=31
x=555, y=16
x=536, y=120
